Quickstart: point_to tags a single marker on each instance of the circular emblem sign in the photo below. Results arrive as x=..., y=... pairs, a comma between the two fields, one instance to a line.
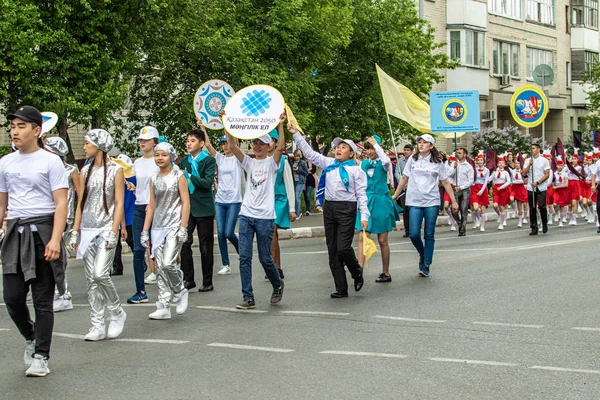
x=49, y=121
x=529, y=106
x=455, y=112
x=253, y=112
x=209, y=100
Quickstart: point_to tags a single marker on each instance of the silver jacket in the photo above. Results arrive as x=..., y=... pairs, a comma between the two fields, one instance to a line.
x=93, y=215
x=168, y=202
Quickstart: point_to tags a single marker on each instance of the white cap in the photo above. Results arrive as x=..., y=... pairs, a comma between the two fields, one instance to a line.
x=125, y=158
x=337, y=141
x=265, y=139
x=428, y=138
x=147, y=133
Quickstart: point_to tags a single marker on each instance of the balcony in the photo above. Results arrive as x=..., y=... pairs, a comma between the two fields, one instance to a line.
x=584, y=39
x=465, y=78
x=579, y=95
x=466, y=12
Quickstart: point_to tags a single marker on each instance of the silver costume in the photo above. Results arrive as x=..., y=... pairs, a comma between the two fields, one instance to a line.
x=167, y=236
x=97, y=247
x=69, y=168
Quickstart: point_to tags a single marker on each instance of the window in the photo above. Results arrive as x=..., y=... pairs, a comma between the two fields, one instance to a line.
x=585, y=13
x=590, y=59
x=537, y=57
x=568, y=80
x=506, y=59
x=455, y=45
x=507, y=8
x=541, y=11
x=475, y=48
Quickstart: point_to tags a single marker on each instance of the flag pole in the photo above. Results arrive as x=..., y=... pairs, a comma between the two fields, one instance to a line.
x=391, y=133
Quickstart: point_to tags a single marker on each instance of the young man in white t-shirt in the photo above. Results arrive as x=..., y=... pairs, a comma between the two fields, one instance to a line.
x=258, y=215
x=33, y=186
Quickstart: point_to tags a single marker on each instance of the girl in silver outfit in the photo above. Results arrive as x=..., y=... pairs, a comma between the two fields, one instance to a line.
x=98, y=216
x=168, y=214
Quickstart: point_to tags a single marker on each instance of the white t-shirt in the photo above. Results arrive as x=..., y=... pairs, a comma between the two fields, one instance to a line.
x=424, y=179
x=230, y=179
x=540, y=165
x=260, y=188
x=29, y=180
x=145, y=169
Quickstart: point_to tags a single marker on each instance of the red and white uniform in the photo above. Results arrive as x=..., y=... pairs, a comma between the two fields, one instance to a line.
x=501, y=193
x=562, y=196
x=517, y=188
x=585, y=186
x=574, y=182
x=482, y=176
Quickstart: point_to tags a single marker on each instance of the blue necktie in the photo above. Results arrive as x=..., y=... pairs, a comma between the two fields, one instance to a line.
x=194, y=164
x=343, y=174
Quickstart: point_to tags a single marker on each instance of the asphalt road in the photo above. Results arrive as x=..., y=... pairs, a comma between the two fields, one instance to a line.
x=503, y=315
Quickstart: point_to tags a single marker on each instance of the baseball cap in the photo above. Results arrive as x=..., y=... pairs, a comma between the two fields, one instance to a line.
x=28, y=114
x=223, y=139
x=147, y=133
x=427, y=137
x=266, y=139
x=337, y=141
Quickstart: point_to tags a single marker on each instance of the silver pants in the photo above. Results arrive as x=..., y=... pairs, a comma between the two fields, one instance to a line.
x=67, y=295
x=102, y=293
x=168, y=280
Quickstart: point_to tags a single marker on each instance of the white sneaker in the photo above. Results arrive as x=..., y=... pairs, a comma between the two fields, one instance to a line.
x=307, y=213
x=500, y=227
x=550, y=221
x=564, y=220
x=161, y=312
x=556, y=217
x=520, y=224
x=96, y=334
x=29, y=350
x=482, y=229
x=182, y=302
x=452, y=228
x=504, y=223
x=225, y=270
x=560, y=224
x=574, y=222
x=39, y=366
x=116, y=325
x=62, y=304
x=150, y=279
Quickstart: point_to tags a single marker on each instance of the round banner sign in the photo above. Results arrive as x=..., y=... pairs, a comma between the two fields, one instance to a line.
x=49, y=121
x=253, y=112
x=209, y=100
x=455, y=112
x=529, y=106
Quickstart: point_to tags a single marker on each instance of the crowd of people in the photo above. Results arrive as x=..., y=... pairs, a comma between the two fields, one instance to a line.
x=156, y=204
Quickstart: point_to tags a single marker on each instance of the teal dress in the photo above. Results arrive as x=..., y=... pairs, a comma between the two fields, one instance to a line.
x=381, y=206
x=282, y=206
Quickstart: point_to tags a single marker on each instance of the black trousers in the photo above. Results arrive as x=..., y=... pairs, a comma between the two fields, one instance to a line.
x=118, y=261
x=462, y=198
x=339, y=219
x=537, y=199
x=42, y=291
x=206, y=241
x=405, y=211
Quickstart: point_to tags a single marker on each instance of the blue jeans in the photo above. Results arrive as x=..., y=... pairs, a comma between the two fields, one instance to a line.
x=417, y=214
x=298, y=187
x=264, y=238
x=139, y=252
x=227, y=216
x=308, y=192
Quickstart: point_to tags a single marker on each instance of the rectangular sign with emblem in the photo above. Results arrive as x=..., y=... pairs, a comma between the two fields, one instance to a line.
x=455, y=111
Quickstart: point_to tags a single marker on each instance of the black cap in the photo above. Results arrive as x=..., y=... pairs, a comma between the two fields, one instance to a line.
x=28, y=114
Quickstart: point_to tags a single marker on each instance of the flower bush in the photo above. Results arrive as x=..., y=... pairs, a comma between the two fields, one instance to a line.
x=501, y=140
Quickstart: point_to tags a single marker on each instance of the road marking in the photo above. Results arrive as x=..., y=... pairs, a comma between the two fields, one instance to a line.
x=315, y=313
x=584, y=371
x=363, y=353
x=162, y=341
x=69, y=335
x=244, y=347
x=475, y=362
x=430, y=321
x=507, y=324
x=235, y=310
x=582, y=328
x=4, y=329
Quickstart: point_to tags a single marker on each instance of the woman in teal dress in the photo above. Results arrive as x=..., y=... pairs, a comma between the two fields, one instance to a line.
x=383, y=209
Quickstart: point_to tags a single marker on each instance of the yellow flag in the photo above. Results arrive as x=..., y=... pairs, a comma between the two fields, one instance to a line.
x=402, y=103
x=127, y=169
x=369, y=248
x=292, y=119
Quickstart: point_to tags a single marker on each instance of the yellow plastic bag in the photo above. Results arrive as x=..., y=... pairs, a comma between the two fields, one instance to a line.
x=369, y=248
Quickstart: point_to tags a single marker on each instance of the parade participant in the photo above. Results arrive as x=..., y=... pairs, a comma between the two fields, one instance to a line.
x=500, y=191
x=407, y=153
x=300, y=172
x=98, y=217
x=518, y=192
x=595, y=191
x=33, y=187
x=58, y=146
x=509, y=159
x=309, y=188
x=574, y=174
x=145, y=169
x=381, y=206
x=199, y=169
x=462, y=175
x=257, y=214
x=560, y=185
x=537, y=170
x=450, y=168
x=549, y=190
x=585, y=187
x=167, y=214
x=228, y=199
x=480, y=197
x=424, y=172
x=342, y=186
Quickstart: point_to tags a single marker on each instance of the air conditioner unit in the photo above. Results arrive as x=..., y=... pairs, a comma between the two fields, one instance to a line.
x=505, y=80
x=490, y=115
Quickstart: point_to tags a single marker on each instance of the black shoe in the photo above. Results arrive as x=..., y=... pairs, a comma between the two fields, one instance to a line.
x=280, y=273
x=189, y=284
x=116, y=272
x=208, y=288
x=405, y=235
x=277, y=294
x=598, y=230
x=462, y=234
x=383, y=278
x=534, y=232
x=338, y=295
x=545, y=229
x=246, y=304
x=358, y=283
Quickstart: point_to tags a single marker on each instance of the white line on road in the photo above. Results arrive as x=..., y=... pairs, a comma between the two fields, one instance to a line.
x=4, y=329
x=583, y=328
x=235, y=310
x=363, y=353
x=475, y=362
x=161, y=341
x=430, y=321
x=244, y=347
x=69, y=335
x=507, y=324
x=584, y=371
x=315, y=313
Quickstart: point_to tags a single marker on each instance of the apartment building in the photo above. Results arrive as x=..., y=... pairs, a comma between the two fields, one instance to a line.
x=501, y=42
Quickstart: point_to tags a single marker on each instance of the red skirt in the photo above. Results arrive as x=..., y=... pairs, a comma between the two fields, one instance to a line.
x=483, y=200
x=562, y=197
x=585, y=189
x=550, y=195
x=519, y=192
x=447, y=197
x=500, y=197
x=574, y=189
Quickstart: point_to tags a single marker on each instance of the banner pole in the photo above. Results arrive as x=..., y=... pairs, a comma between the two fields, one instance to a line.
x=392, y=133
